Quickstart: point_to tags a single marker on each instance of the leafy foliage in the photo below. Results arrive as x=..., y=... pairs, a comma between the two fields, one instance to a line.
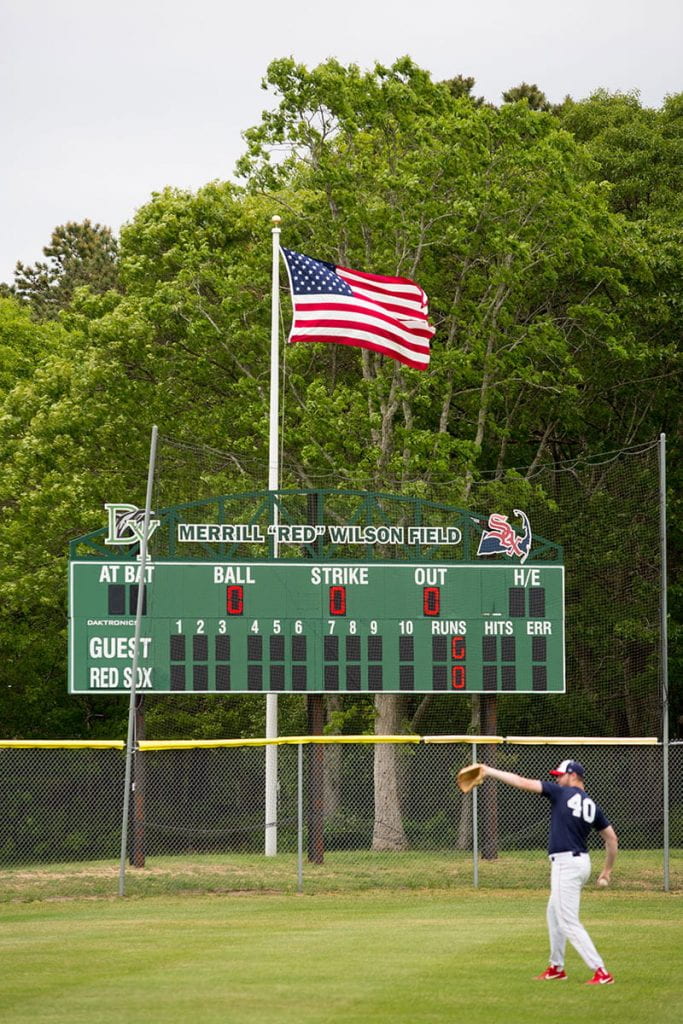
x=78, y=255
x=535, y=97
x=548, y=243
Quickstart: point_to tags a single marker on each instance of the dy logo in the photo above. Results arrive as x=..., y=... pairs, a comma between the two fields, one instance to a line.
x=126, y=524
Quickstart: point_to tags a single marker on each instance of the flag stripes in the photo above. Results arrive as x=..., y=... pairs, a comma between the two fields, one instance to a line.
x=350, y=307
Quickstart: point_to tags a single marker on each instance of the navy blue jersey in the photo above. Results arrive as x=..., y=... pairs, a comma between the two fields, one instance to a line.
x=573, y=815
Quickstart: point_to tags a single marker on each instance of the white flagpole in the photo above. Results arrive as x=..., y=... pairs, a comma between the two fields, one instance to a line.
x=273, y=485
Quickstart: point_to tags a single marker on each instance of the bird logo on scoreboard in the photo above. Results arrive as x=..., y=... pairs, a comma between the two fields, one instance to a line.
x=502, y=539
x=126, y=524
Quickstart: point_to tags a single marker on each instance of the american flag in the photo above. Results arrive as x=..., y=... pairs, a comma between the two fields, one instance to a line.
x=350, y=307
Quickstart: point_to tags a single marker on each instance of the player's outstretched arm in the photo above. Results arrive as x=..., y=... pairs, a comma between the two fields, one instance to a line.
x=518, y=781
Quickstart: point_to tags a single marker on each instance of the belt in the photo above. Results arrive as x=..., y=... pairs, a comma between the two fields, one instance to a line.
x=569, y=853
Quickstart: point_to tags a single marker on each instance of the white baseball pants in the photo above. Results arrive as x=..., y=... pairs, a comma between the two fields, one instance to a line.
x=568, y=875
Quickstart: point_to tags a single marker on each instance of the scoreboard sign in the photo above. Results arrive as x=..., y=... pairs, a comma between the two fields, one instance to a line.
x=315, y=627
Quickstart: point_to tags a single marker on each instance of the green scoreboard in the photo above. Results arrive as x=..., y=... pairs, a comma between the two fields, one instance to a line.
x=313, y=627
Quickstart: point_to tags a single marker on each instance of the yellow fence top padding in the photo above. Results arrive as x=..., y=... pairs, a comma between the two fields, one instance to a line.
x=565, y=741
x=276, y=741
x=364, y=738
x=465, y=738
x=586, y=741
x=63, y=744
x=197, y=744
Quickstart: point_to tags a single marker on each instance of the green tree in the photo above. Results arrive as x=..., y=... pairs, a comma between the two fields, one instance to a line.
x=495, y=213
x=461, y=86
x=535, y=97
x=638, y=150
x=75, y=427
x=550, y=342
x=637, y=155
x=78, y=254
x=22, y=343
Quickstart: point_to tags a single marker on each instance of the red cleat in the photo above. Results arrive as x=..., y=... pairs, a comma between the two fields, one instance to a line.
x=552, y=973
x=601, y=977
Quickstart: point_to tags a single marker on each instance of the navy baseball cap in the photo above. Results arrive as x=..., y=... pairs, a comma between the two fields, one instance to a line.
x=569, y=766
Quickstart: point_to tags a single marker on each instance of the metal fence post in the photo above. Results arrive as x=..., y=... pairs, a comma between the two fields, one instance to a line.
x=131, y=742
x=664, y=669
x=300, y=817
x=475, y=827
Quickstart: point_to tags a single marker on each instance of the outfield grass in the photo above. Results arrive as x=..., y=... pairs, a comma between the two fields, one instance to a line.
x=344, y=871
x=415, y=957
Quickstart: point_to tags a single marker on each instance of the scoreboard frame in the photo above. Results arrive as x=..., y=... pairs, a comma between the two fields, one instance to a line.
x=299, y=625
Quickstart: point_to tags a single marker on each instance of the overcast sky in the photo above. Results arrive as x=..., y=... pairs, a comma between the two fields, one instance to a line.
x=105, y=103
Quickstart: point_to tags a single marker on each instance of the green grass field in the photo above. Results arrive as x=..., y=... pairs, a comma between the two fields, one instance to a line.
x=410, y=957
x=342, y=871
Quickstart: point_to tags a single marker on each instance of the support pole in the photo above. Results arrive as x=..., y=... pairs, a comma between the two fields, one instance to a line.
x=475, y=825
x=137, y=857
x=489, y=797
x=131, y=741
x=664, y=634
x=315, y=717
x=300, y=816
x=316, y=779
x=273, y=485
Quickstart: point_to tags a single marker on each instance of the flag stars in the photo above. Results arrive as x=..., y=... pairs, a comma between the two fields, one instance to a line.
x=314, y=277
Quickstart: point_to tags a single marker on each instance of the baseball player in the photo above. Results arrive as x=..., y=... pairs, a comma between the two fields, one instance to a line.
x=572, y=815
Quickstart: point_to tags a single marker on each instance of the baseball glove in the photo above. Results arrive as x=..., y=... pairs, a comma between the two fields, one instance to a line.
x=470, y=777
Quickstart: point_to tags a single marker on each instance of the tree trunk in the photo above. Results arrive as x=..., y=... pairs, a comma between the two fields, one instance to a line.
x=388, y=833
x=464, y=841
x=332, y=783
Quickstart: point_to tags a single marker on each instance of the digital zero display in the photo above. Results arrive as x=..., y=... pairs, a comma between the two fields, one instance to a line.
x=307, y=627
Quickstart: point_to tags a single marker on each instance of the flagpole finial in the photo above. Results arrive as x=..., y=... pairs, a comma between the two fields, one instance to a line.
x=276, y=221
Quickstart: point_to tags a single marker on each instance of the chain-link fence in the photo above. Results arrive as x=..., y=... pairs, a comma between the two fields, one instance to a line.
x=197, y=816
